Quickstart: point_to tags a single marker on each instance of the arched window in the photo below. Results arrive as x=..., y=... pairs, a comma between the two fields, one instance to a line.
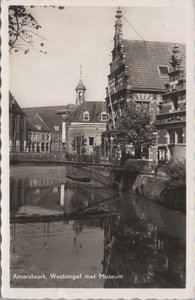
x=104, y=116
x=86, y=116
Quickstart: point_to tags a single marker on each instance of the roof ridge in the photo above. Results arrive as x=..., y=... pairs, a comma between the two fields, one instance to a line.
x=162, y=42
x=51, y=106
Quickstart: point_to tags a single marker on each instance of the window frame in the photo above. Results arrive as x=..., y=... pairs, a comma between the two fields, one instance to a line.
x=56, y=128
x=159, y=71
x=93, y=139
x=104, y=113
x=85, y=114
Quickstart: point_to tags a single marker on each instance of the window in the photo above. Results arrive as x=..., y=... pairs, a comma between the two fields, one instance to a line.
x=172, y=136
x=56, y=128
x=103, y=116
x=43, y=136
x=175, y=103
x=179, y=135
x=176, y=136
x=34, y=136
x=163, y=70
x=57, y=146
x=91, y=141
x=30, y=136
x=56, y=137
x=86, y=116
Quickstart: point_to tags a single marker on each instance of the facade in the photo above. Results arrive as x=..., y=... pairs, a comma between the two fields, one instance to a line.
x=84, y=127
x=17, y=126
x=138, y=72
x=171, y=121
x=44, y=129
x=38, y=138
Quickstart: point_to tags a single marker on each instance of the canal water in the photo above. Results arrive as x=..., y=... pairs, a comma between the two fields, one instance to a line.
x=69, y=234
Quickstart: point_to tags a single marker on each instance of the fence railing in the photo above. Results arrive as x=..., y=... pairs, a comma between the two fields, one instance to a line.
x=60, y=156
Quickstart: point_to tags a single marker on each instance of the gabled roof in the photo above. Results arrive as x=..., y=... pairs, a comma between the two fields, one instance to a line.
x=14, y=106
x=46, y=117
x=94, y=108
x=143, y=59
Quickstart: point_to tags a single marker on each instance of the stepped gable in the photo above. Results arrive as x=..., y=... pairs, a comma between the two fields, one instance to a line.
x=143, y=59
x=95, y=108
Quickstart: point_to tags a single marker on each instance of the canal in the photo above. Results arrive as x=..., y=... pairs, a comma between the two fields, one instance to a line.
x=68, y=234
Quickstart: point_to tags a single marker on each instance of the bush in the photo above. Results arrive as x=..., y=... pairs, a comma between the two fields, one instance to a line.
x=176, y=169
x=174, y=193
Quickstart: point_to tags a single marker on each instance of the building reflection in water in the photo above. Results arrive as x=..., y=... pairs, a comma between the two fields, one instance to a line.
x=143, y=255
x=143, y=242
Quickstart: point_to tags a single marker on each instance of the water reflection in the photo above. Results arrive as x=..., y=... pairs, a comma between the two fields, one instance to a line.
x=115, y=239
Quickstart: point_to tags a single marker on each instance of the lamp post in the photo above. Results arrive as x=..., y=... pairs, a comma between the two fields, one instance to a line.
x=111, y=146
x=105, y=140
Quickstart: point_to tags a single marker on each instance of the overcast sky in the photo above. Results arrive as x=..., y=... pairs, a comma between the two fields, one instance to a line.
x=83, y=35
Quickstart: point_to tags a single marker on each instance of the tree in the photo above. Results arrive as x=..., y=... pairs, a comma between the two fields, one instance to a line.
x=24, y=30
x=174, y=192
x=134, y=127
x=79, y=144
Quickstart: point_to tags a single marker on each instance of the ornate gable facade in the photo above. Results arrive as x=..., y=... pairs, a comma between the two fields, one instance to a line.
x=138, y=72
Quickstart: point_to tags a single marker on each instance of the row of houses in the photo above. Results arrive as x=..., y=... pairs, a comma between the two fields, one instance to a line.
x=153, y=74
x=57, y=128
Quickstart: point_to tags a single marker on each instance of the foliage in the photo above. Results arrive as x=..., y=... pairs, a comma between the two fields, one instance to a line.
x=79, y=144
x=24, y=30
x=176, y=169
x=134, y=127
x=174, y=193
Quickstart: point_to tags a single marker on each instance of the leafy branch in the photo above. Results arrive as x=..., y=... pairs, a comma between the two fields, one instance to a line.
x=23, y=27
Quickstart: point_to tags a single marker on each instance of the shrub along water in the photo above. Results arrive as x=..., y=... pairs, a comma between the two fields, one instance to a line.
x=174, y=193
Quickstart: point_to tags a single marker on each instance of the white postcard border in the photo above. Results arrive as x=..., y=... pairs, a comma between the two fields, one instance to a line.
x=21, y=293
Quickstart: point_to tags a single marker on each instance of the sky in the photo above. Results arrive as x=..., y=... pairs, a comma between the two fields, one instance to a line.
x=83, y=36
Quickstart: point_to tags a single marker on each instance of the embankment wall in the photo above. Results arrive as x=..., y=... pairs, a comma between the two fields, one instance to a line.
x=149, y=186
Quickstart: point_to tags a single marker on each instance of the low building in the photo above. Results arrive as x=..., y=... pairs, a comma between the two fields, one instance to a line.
x=39, y=136
x=44, y=129
x=84, y=127
x=17, y=126
x=171, y=121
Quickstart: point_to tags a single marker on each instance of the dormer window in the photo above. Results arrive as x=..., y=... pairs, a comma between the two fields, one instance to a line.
x=86, y=116
x=163, y=70
x=103, y=116
x=57, y=128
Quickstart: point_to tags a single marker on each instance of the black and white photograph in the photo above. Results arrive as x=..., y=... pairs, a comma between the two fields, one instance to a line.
x=96, y=117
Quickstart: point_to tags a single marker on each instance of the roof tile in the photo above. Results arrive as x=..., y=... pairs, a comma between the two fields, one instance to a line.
x=143, y=59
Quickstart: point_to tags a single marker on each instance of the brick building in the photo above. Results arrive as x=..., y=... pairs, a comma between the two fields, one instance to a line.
x=44, y=129
x=138, y=72
x=17, y=126
x=171, y=121
x=87, y=121
x=83, y=126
